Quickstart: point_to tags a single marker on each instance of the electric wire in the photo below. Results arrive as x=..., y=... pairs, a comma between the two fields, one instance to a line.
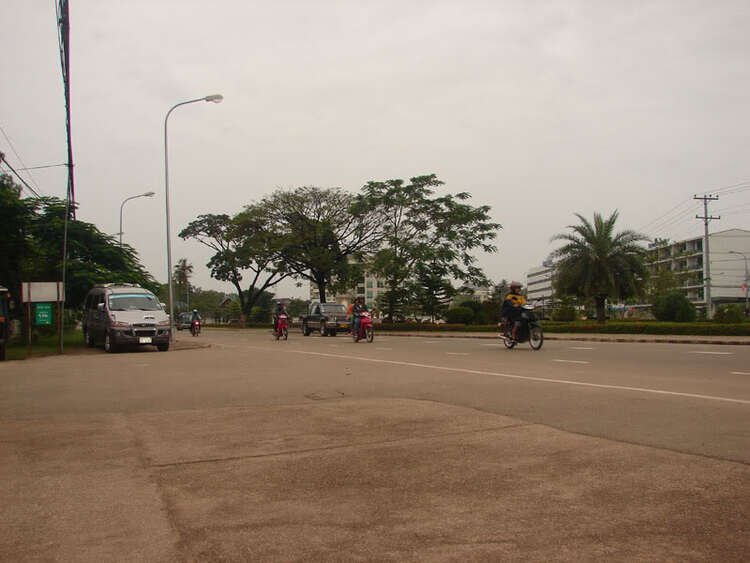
x=18, y=156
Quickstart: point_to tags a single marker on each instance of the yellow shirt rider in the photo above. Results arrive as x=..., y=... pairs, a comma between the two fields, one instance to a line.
x=512, y=307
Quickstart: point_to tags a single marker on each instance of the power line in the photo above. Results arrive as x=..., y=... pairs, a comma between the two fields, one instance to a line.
x=45, y=166
x=18, y=156
x=25, y=183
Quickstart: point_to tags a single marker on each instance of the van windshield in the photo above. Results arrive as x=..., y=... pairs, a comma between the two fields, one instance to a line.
x=133, y=302
x=332, y=308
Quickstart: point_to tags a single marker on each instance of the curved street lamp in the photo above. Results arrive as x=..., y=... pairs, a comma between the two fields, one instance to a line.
x=215, y=98
x=147, y=194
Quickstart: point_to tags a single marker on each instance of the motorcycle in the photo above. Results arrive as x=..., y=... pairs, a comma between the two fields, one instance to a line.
x=365, y=328
x=529, y=331
x=282, y=327
x=195, y=328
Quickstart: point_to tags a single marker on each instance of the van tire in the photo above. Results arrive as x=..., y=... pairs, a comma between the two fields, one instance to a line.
x=162, y=347
x=109, y=344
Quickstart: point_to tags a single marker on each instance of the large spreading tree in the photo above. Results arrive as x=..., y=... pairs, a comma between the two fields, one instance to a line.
x=422, y=228
x=246, y=245
x=323, y=234
x=595, y=262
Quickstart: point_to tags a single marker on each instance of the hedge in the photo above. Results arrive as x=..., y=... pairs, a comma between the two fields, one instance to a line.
x=590, y=327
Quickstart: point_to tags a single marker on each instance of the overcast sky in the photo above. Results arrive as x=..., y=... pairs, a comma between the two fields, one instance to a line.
x=539, y=109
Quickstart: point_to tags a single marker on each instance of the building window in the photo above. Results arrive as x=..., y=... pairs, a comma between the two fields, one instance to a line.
x=369, y=294
x=369, y=283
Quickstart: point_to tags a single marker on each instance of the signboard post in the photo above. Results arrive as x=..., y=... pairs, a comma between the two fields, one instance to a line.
x=43, y=294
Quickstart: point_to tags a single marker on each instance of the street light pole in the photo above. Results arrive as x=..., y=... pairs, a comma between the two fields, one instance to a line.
x=215, y=98
x=147, y=194
x=747, y=281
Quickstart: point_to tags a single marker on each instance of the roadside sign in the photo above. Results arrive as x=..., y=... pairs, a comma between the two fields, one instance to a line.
x=43, y=315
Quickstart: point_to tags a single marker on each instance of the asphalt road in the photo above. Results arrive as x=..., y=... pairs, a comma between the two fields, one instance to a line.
x=403, y=449
x=687, y=398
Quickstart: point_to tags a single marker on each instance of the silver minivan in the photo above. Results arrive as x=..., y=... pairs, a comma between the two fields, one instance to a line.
x=120, y=315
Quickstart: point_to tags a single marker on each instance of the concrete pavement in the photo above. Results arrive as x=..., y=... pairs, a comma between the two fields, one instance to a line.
x=262, y=450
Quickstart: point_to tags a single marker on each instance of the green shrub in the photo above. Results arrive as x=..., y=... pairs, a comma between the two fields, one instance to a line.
x=459, y=315
x=564, y=313
x=729, y=314
x=673, y=307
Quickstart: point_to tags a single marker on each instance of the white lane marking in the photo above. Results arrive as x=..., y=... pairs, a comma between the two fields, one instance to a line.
x=571, y=361
x=711, y=353
x=457, y=353
x=740, y=372
x=493, y=345
x=522, y=377
x=580, y=348
x=384, y=348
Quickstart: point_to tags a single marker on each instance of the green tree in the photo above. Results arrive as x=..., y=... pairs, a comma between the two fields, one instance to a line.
x=323, y=233
x=419, y=227
x=660, y=283
x=15, y=246
x=673, y=307
x=245, y=244
x=597, y=263
x=459, y=315
x=181, y=275
x=433, y=290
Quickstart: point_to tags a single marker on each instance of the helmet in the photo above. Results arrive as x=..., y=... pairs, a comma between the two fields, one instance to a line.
x=195, y=310
x=515, y=285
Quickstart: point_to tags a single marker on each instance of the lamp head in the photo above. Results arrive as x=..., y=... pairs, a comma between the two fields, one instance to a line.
x=149, y=194
x=215, y=98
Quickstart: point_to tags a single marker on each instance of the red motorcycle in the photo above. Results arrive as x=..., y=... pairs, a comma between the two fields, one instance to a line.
x=365, y=328
x=195, y=328
x=282, y=327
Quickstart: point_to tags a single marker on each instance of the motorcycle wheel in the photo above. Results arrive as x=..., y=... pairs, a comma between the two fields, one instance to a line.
x=284, y=333
x=369, y=334
x=536, y=337
x=323, y=329
x=355, y=337
x=509, y=343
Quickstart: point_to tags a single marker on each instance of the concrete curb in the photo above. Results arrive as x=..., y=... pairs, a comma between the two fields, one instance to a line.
x=587, y=338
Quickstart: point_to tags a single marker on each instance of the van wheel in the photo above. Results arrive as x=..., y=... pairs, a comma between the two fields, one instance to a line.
x=162, y=347
x=109, y=345
x=305, y=330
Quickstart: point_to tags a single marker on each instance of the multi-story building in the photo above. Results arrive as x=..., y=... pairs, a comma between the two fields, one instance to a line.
x=686, y=259
x=539, y=282
x=472, y=292
x=369, y=287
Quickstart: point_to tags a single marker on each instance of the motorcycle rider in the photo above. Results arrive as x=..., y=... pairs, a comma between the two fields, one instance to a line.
x=194, y=318
x=357, y=310
x=511, y=310
x=280, y=310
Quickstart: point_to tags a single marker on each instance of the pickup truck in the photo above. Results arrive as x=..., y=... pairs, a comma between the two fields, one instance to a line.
x=326, y=318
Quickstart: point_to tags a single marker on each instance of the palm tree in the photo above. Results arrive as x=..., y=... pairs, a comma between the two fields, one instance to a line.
x=597, y=263
x=183, y=270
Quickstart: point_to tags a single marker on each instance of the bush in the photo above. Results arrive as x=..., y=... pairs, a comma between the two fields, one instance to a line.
x=674, y=307
x=729, y=314
x=564, y=313
x=459, y=315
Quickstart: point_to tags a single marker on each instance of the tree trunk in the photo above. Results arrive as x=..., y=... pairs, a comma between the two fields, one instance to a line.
x=321, y=283
x=600, y=313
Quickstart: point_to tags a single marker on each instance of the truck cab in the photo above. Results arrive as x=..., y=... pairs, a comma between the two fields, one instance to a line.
x=325, y=318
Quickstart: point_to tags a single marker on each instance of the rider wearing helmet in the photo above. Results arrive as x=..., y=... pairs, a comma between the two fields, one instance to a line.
x=512, y=307
x=357, y=310
x=195, y=317
x=280, y=310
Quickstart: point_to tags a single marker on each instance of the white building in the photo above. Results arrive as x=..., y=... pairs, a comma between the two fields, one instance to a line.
x=687, y=260
x=539, y=283
x=472, y=292
x=369, y=287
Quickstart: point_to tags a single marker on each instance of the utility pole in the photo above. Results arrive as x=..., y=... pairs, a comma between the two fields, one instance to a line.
x=707, y=256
